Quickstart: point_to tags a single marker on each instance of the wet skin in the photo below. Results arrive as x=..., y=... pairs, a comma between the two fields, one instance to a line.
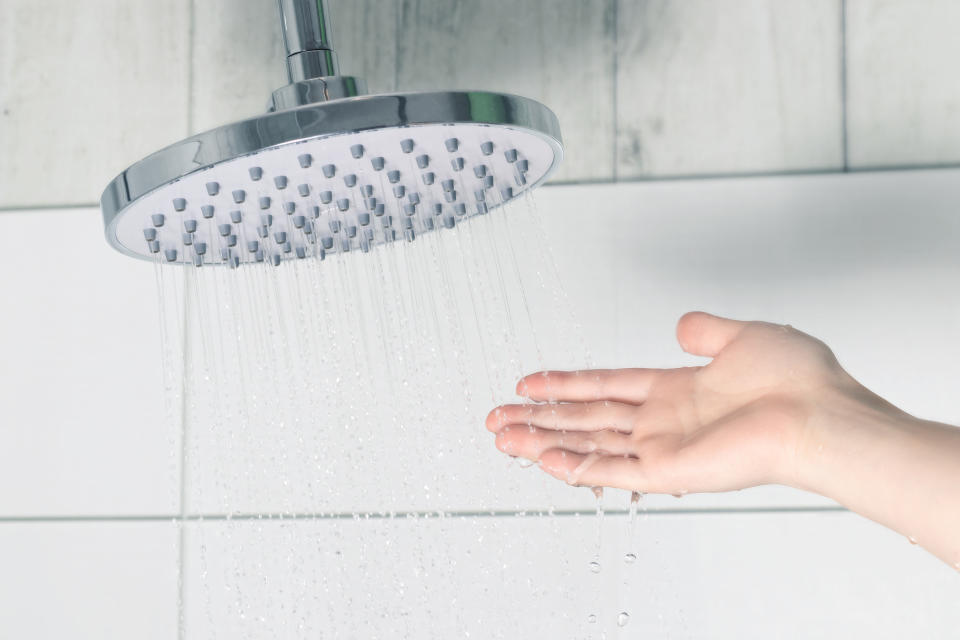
x=773, y=406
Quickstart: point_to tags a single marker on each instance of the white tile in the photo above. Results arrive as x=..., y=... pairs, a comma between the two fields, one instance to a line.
x=558, y=53
x=88, y=580
x=717, y=576
x=85, y=424
x=85, y=90
x=706, y=87
x=287, y=437
x=858, y=260
x=903, y=102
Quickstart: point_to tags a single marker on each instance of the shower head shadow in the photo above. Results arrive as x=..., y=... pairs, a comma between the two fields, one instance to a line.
x=327, y=169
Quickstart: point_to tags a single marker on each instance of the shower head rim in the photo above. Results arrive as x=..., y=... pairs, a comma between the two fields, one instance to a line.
x=319, y=120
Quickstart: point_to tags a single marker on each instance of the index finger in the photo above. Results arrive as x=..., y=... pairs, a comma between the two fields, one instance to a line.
x=620, y=385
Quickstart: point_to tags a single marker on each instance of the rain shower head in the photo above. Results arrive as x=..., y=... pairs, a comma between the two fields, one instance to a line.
x=328, y=169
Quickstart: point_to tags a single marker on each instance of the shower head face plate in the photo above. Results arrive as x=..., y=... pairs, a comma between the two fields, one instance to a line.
x=335, y=191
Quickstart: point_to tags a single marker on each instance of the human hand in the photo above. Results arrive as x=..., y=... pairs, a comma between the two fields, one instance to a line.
x=736, y=422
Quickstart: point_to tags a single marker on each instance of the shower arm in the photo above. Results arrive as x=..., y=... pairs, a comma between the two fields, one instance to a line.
x=306, y=37
x=312, y=67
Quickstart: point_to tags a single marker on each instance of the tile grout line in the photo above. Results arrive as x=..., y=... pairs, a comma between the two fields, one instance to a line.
x=191, y=81
x=616, y=81
x=397, y=25
x=181, y=533
x=184, y=516
x=845, y=144
x=598, y=182
x=403, y=515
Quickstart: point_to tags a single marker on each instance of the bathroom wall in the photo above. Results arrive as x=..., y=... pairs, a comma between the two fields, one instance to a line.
x=643, y=89
x=89, y=464
x=647, y=92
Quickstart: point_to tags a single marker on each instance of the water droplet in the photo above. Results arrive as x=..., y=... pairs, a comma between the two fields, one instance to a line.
x=592, y=618
x=630, y=558
x=623, y=619
x=594, y=566
x=912, y=540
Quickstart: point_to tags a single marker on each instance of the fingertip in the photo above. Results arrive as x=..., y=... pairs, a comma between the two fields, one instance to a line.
x=502, y=442
x=523, y=385
x=560, y=463
x=494, y=420
x=704, y=334
x=521, y=388
x=686, y=325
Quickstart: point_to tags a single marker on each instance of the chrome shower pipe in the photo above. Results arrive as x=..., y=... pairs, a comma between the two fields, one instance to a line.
x=306, y=36
x=312, y=66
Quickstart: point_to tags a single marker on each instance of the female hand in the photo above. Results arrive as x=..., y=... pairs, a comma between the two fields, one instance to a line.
x=773, y=406
x=736, y=422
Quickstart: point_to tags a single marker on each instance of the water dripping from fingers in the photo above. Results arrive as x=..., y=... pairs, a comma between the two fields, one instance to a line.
x=595, y=563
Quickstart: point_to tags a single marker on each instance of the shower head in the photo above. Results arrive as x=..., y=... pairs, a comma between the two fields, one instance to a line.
x=328, y=169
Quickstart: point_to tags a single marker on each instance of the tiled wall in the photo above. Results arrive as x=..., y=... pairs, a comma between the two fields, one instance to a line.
x=90, y=485
x=90, y=490
x=644, y=89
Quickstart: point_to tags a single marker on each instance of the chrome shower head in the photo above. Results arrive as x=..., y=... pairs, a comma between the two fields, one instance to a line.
x=328, y=170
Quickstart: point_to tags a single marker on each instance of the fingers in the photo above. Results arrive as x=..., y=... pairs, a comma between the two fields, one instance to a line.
x=581, y=416
x=593, y=469
x=702, y=334
x=531, y=442
x=621, y=385
x=737, y=452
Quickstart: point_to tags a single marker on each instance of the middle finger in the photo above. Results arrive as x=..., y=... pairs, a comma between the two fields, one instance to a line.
x=576, y=416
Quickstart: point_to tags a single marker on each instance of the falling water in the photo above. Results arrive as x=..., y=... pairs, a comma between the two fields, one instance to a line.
x=314, y=389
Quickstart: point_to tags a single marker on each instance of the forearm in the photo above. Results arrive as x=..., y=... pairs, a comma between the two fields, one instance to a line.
x=887, y=466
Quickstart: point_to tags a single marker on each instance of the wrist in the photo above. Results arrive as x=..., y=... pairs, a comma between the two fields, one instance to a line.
x=843, y=426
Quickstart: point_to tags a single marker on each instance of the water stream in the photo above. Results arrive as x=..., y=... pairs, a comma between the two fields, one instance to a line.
x=321, y=398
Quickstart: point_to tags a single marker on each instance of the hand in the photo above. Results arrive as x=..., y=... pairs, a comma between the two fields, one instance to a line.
x=773, y=406
x=736, y=422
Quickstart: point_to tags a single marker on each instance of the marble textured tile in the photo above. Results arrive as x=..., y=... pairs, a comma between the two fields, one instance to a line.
x=86, y=429
x=365, y=38
x=697, y=576
x=85, y=90
x=239, y=55
x=903, y=101
x=745, y=86
x=88, y=580
x=560, y=53
x=238, y=60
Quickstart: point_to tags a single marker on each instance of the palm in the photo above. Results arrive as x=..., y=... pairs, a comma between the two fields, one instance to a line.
x=727, y=425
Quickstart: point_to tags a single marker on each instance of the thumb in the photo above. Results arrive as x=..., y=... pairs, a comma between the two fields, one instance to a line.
x=702, y=334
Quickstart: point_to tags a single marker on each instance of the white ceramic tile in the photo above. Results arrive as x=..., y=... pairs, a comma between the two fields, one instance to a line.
x=696, y=576
x=706, y=87
x=85, y=90
x=560, y=53
x=903, y=102
x=859, y=260
x=88, y=580
x=84, y=420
